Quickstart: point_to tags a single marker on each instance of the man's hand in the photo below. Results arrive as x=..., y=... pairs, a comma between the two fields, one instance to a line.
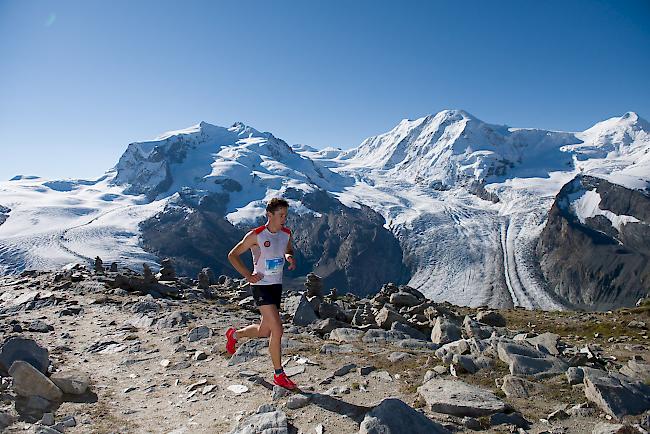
x=291, y=261
x=254, y=277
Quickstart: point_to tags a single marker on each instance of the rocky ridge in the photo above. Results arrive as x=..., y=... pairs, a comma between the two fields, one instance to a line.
x=109, y=349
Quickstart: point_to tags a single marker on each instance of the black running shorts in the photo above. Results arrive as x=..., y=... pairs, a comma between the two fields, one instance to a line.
x=267, y=294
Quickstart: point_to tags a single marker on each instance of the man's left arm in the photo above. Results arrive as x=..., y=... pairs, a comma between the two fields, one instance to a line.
x=288, y=256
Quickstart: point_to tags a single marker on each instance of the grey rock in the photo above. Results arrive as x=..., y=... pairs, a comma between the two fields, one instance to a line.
x=412, y=332
x=337, y=349
x=39, y=326
x=298, y=401
x=6, y=419
x=509, y=419
x=279, y=392
x=16, y=348
x=400, y=299
x=615, y=394
x=29, y=381
x=301, y=310
x=174, y=320
x=377, y=335
x=460, y=346
x=248, y=351
x=346, y=335
x=68, y=421
x=459, y=398
x=271, y=422
x=145, y=306
x=365, y=370
x=393, y=416
x=386, y=317
x=516, y=387
x=398, y=356
x=294, y=370
x=73, y=383
x=637, y=369
x=474, y=329
x=47, y=419
x=464, y=363
x=444, y=331
x=492, y=318
x=327, y=325
x=199, y=333
x=416, y=344
x=574, y=375
x=527, y=361
x=330, y=310
x=343, y=370
x=611, y=428
x=546, y=342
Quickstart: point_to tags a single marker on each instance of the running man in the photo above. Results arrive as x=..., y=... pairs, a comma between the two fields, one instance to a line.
x=271, y=247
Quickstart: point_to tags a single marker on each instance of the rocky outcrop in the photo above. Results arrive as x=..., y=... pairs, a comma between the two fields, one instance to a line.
x=594, y=250
x=4, y=214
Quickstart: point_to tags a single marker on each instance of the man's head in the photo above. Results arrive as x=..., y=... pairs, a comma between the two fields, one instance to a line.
x=276, y=211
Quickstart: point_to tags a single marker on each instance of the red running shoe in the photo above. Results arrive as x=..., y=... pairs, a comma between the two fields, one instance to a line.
x=230, y=344
x=283, y=381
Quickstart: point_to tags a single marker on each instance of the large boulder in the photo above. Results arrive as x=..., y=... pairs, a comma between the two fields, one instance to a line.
x=17, y=348
x=29, y=381
x=524, y=360
x=386, y=317
x=459, y=398
x=445, y=330
x=301, y=310
x=393, y=416
x=615, y=394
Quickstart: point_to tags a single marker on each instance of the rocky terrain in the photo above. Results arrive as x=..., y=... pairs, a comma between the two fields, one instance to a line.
x=108, y=350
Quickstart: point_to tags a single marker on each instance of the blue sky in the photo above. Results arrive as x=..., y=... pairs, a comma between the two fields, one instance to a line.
x=80, y=80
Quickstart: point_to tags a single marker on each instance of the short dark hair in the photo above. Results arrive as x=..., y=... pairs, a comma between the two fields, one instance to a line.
x=276, y=203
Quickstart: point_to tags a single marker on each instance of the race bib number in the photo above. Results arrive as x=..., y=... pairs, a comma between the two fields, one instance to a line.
x=274, y=266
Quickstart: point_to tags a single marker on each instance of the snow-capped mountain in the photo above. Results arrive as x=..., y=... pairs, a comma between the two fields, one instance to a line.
x=412, y=198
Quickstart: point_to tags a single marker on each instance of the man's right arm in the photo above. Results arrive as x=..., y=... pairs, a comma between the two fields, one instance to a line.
x=245, y=244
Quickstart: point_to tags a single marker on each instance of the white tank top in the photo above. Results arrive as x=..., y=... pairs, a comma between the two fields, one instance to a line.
x=268, y=254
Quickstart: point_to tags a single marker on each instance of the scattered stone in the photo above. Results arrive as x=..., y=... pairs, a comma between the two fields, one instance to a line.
x=248, y=351
x=381, y=336
x=266, y=422
x=113, y=268
x=47, y=419
x=294, y=370
x=73, y=383
x=546, y=342
x=199, y=333
x=381, y=375
x=301, y=310
x=400, y=299
x=29, y=381
x=398, y=356
x=516, y=387
x=445, y=331
x=637, y=369
x=492, y=318
x=343, y=370
x=298, y=401
x=509, y=419
x=459, y=398
x=386, y=317
x=395, y=416
x=279, y=392
x=346, y=335
x=39, y=326
x=200, y=355
x=238, y=389
x=337, y=349
x=527, y=361
x=407, y=329
x=365, y=370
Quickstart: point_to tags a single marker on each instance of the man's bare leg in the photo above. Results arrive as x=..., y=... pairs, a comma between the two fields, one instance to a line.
x=272, y=324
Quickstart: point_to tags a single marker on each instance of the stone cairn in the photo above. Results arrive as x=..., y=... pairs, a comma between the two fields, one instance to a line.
x=147, y=274
x=314, y=285
x=206, y=278
x=167, y=271
x=99, y=265
x=113, y=267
